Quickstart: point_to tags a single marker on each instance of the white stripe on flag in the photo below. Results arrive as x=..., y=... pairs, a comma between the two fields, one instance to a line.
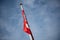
x=27, y=25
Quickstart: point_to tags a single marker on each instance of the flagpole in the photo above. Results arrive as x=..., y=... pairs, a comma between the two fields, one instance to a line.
x=30, y=35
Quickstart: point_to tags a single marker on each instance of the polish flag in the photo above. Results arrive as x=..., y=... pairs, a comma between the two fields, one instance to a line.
x=26, y=27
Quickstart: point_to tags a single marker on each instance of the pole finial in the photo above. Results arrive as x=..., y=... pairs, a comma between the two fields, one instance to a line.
x=21, y=3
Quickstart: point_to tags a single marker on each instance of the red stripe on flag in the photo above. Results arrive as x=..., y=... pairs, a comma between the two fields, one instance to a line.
x=26, y=29
x=22, y=12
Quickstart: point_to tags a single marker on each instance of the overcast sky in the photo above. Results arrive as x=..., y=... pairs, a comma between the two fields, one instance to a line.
x=43, y=17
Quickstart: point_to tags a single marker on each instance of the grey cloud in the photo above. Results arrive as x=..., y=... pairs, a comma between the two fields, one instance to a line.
x=43, y=17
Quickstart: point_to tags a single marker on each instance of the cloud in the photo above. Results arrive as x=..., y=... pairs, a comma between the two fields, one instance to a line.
x=8, y=32
x=29, y=3
x=43, y=17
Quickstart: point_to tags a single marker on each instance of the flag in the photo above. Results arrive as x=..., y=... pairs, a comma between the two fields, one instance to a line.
x=26, y=27
x=25, y=23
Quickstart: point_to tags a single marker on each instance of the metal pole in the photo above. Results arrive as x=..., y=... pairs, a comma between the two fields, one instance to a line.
x=30, y=35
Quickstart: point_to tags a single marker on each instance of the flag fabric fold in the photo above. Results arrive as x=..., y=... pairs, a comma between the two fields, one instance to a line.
x=26, y=27
x=25, y=22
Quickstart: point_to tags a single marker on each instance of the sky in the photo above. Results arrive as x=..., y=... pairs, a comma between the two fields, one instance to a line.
x=43, y=17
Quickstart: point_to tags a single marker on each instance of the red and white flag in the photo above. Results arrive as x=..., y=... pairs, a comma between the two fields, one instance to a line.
x=26, y=27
